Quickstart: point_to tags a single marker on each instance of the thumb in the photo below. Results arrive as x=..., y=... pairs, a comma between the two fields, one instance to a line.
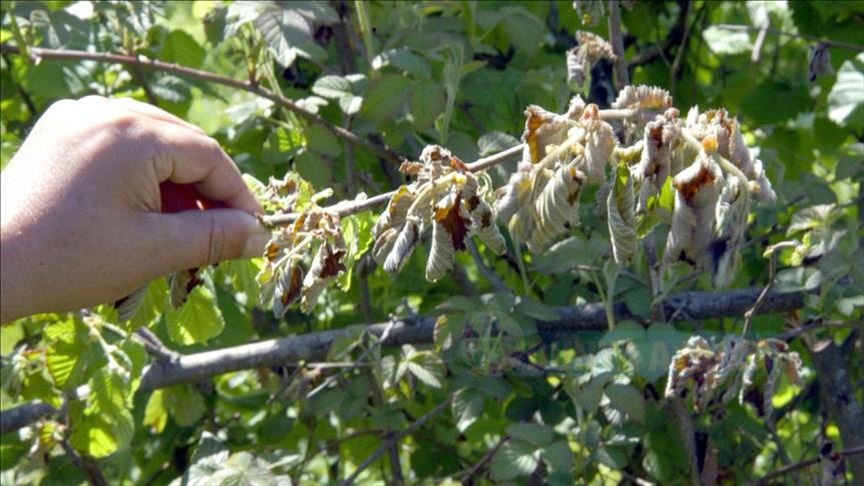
x=198, y=238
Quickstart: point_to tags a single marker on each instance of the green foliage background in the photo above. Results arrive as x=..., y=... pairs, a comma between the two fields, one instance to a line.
x=459, y=74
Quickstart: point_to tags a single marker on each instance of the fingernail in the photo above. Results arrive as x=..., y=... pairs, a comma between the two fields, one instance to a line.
x=255, y=243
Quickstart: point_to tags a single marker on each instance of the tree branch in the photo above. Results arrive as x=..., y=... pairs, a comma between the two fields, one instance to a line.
x=748, y=28
x=767, y=479
x=416, y=330
x=471, y=473
x=838, y=396
x=394, y=440
x=38, y=53
x=345, y=208
x=86, y=465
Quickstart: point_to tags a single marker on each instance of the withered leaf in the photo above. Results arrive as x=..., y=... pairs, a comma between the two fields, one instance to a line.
x=450, y=217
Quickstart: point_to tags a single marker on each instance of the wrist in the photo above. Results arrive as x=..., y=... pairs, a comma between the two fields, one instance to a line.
x=14, y=277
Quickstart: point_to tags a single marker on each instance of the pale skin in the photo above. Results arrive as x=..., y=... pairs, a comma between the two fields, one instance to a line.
x=80, y=206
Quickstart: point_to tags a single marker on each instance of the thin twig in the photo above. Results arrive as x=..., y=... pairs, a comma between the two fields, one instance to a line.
x=748, y=28
x=476, y=469
x=357, y=362
x=748, y=316
x=493, y=278
x=345, y=208
x=25, y=96
x=682, y=48
x=38, y=53
x=756, y=54
x=394, y=439
x=622, y=77
x=805, y=463
x=154, y=346
x=810, y=326
x=88, y=467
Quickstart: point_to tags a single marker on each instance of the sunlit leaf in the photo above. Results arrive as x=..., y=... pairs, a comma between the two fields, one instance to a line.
x=196, y=321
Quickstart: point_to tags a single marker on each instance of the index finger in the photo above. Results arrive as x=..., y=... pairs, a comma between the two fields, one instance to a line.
x=185, y=156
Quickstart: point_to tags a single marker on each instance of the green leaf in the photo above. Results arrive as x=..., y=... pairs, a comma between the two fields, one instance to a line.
x=209, y=445
x=514, y=459
x=403, y=59
x=313, y=168
x=11, y=453
x=820, y=216
x=102, y=434
x=357, y=233
x=559, y=456
x=536, y=310
x=536, y=434
x=494, y=142
x=288, y=32
x=587, y=396
x=181, y=48
x=846, y=99
x=58, y=28
x=724, y=41
x=627, y=399
x=847, y=305
x=106, y=424
x=241, y=469
x=775, y=101
x=332, y=87
x=109, y=390
x=426, y=367
x=525, y=31
x=156, y=413
x=242, y=275
x=64, y=359
x=197, y=320
x=322, y=141
x=467, y=407
x=68, y=354
x=426, y=102
x=385, y=97
x=171, y=88
x=152, y=305
x=185, y=404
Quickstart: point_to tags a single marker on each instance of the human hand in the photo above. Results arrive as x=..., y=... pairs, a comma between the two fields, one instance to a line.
x=81, y=207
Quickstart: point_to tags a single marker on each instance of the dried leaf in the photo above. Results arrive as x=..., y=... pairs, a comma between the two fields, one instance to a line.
x=384, y=245
x=598, y=139
x=696, y=193
x=397, y=209
x=542, y=128
x=441, y=253
x=405, y=243
x=515, y=195
x=621, y=216
x=643, y=98
x=453, y=216
x=483, y=225
x=819, y=59
x=730, y=224
x=590, y=49
x=661, y=136
x=557, y=205
x=731, y=145
x=325, y=267
x=181, y=284
x=128, y=306
x=288, y=290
